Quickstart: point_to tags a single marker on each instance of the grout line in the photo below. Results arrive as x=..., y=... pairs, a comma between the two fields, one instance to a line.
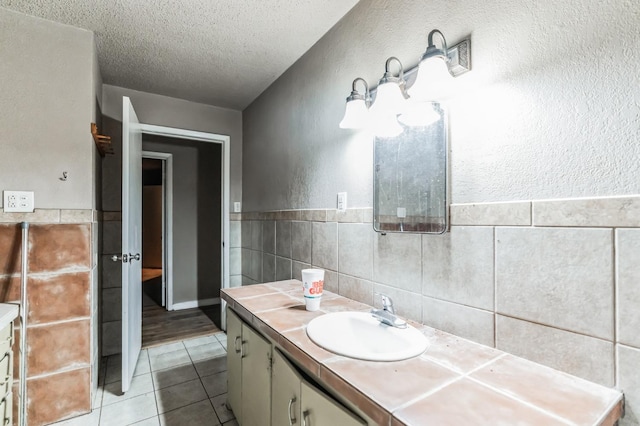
x=495, y=287
x=615, y=268
x=528, y=404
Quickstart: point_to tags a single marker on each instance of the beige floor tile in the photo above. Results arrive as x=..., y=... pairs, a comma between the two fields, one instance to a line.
x=208, y=351
x=129, y=411
x=139, y=386
x=216, y=384
x=180, y=395
x=173, y=376
x=220, y=406
x=169, y=359
x=208, y=367
x=198, y=414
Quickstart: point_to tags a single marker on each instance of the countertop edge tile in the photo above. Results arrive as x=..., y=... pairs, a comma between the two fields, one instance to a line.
x=323, y=373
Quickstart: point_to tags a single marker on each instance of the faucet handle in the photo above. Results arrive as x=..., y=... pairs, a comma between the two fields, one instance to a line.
x=387, y=302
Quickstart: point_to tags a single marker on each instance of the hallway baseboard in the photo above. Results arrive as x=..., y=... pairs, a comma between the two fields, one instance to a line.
x=196, y=303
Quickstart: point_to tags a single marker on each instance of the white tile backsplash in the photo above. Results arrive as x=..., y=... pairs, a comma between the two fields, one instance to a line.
x=540, y=279
x=562, y=277
x=458, y=266
x=577, y=354
x=628, y=283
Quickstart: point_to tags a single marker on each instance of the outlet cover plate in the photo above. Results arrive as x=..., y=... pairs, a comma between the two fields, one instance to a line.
x=18, y=202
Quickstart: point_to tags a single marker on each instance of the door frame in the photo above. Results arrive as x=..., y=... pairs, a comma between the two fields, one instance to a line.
x=167, y=223
x=225, y=141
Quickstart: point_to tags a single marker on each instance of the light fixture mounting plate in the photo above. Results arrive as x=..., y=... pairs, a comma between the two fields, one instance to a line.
x=460, y=58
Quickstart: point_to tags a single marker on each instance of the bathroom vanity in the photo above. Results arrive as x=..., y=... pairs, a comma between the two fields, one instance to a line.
x=278, y=376
x=8, y=313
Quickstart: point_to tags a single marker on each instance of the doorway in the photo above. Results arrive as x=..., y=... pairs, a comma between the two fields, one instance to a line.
x=132, y=133
x=181, y=237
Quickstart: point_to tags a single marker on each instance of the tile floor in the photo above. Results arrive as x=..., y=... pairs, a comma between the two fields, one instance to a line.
x=181, y=383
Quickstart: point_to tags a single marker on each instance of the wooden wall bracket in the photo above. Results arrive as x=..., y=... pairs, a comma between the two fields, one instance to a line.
x=103, y=143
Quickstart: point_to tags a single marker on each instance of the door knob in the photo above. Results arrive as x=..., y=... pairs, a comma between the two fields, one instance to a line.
x=124, y=258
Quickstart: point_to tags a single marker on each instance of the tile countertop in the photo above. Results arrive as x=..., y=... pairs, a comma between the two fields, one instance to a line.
x=8, y=312
x=455, y=381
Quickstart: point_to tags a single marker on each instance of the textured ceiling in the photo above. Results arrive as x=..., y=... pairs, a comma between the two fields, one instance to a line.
x=218, y=52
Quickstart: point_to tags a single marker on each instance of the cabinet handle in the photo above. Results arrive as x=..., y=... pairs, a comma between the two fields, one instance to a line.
x=235, y=345
x=304, y=418
x=243, y=354
x=292, y=419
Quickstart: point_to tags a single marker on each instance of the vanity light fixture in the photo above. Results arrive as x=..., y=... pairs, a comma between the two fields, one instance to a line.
x=356, y=114
x=438, y=62
x=391, y=95
x=393, y=103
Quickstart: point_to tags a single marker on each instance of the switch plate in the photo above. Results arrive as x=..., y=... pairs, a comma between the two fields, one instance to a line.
x=342, y=201
x=401, y=212
x=237, y=207
x=18, y=201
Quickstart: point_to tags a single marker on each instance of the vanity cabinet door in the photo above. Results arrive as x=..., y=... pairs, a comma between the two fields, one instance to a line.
x=256, y=378
x=285, y=392
x=234, y=364
x=320, y=410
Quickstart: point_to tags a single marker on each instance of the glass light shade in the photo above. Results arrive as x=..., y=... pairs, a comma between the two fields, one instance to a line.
x=386, y=126
x=356, y=115
x=430, y=72
x=418, y=114
x=389, y=100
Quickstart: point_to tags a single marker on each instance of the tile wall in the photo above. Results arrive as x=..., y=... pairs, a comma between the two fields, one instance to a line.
x=556, y=281
x=111, y=293
x=62, y=349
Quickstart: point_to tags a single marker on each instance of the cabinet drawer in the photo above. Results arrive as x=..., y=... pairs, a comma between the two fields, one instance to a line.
x=6, y=410
x=6, y=339
x=6, y=373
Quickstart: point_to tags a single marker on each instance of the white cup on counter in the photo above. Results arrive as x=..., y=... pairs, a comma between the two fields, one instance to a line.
x=312, y=285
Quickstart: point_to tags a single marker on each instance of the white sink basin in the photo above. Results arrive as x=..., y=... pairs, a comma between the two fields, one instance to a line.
x=359, y=335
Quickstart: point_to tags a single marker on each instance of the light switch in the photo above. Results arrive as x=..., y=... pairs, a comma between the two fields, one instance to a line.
x=342, y=201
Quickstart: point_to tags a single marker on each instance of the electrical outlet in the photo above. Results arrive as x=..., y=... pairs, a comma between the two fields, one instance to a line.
x=401, y=212
x=237, y=207
x=342, y=201
x=18, y=201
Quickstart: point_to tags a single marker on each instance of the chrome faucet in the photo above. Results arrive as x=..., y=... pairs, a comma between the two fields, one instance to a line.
x=387, y=314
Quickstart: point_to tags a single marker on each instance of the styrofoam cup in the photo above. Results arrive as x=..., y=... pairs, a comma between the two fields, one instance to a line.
x=312, y=285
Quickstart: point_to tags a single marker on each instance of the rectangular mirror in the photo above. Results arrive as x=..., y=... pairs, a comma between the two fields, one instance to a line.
x=410, y=179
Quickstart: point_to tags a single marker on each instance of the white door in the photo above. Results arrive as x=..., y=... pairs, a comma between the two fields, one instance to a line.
x=131, y=241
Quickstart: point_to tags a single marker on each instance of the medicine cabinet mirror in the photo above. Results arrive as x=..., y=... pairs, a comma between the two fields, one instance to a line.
x=410, y=179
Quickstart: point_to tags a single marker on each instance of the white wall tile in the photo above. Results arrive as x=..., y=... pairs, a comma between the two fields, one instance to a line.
x=355, y=248
x=594, y=212
x=283, y=268
x=283, y=238
x=301, y=241
x=256, y=235
x=235, y=233
x=269, y=236
x=628, y=381
x=397, y=261
x=628, y=282
x=356, y=289
x=577, y=354
x=324, y=252
x=503, y=214
x=407, y=304
x=268, y=268
x=458, y=266
x=464, y=321
x=561, y=277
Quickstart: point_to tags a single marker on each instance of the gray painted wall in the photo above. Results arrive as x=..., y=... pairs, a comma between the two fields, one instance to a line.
x=172, y=112
x=48, y=76
x=550, y=110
